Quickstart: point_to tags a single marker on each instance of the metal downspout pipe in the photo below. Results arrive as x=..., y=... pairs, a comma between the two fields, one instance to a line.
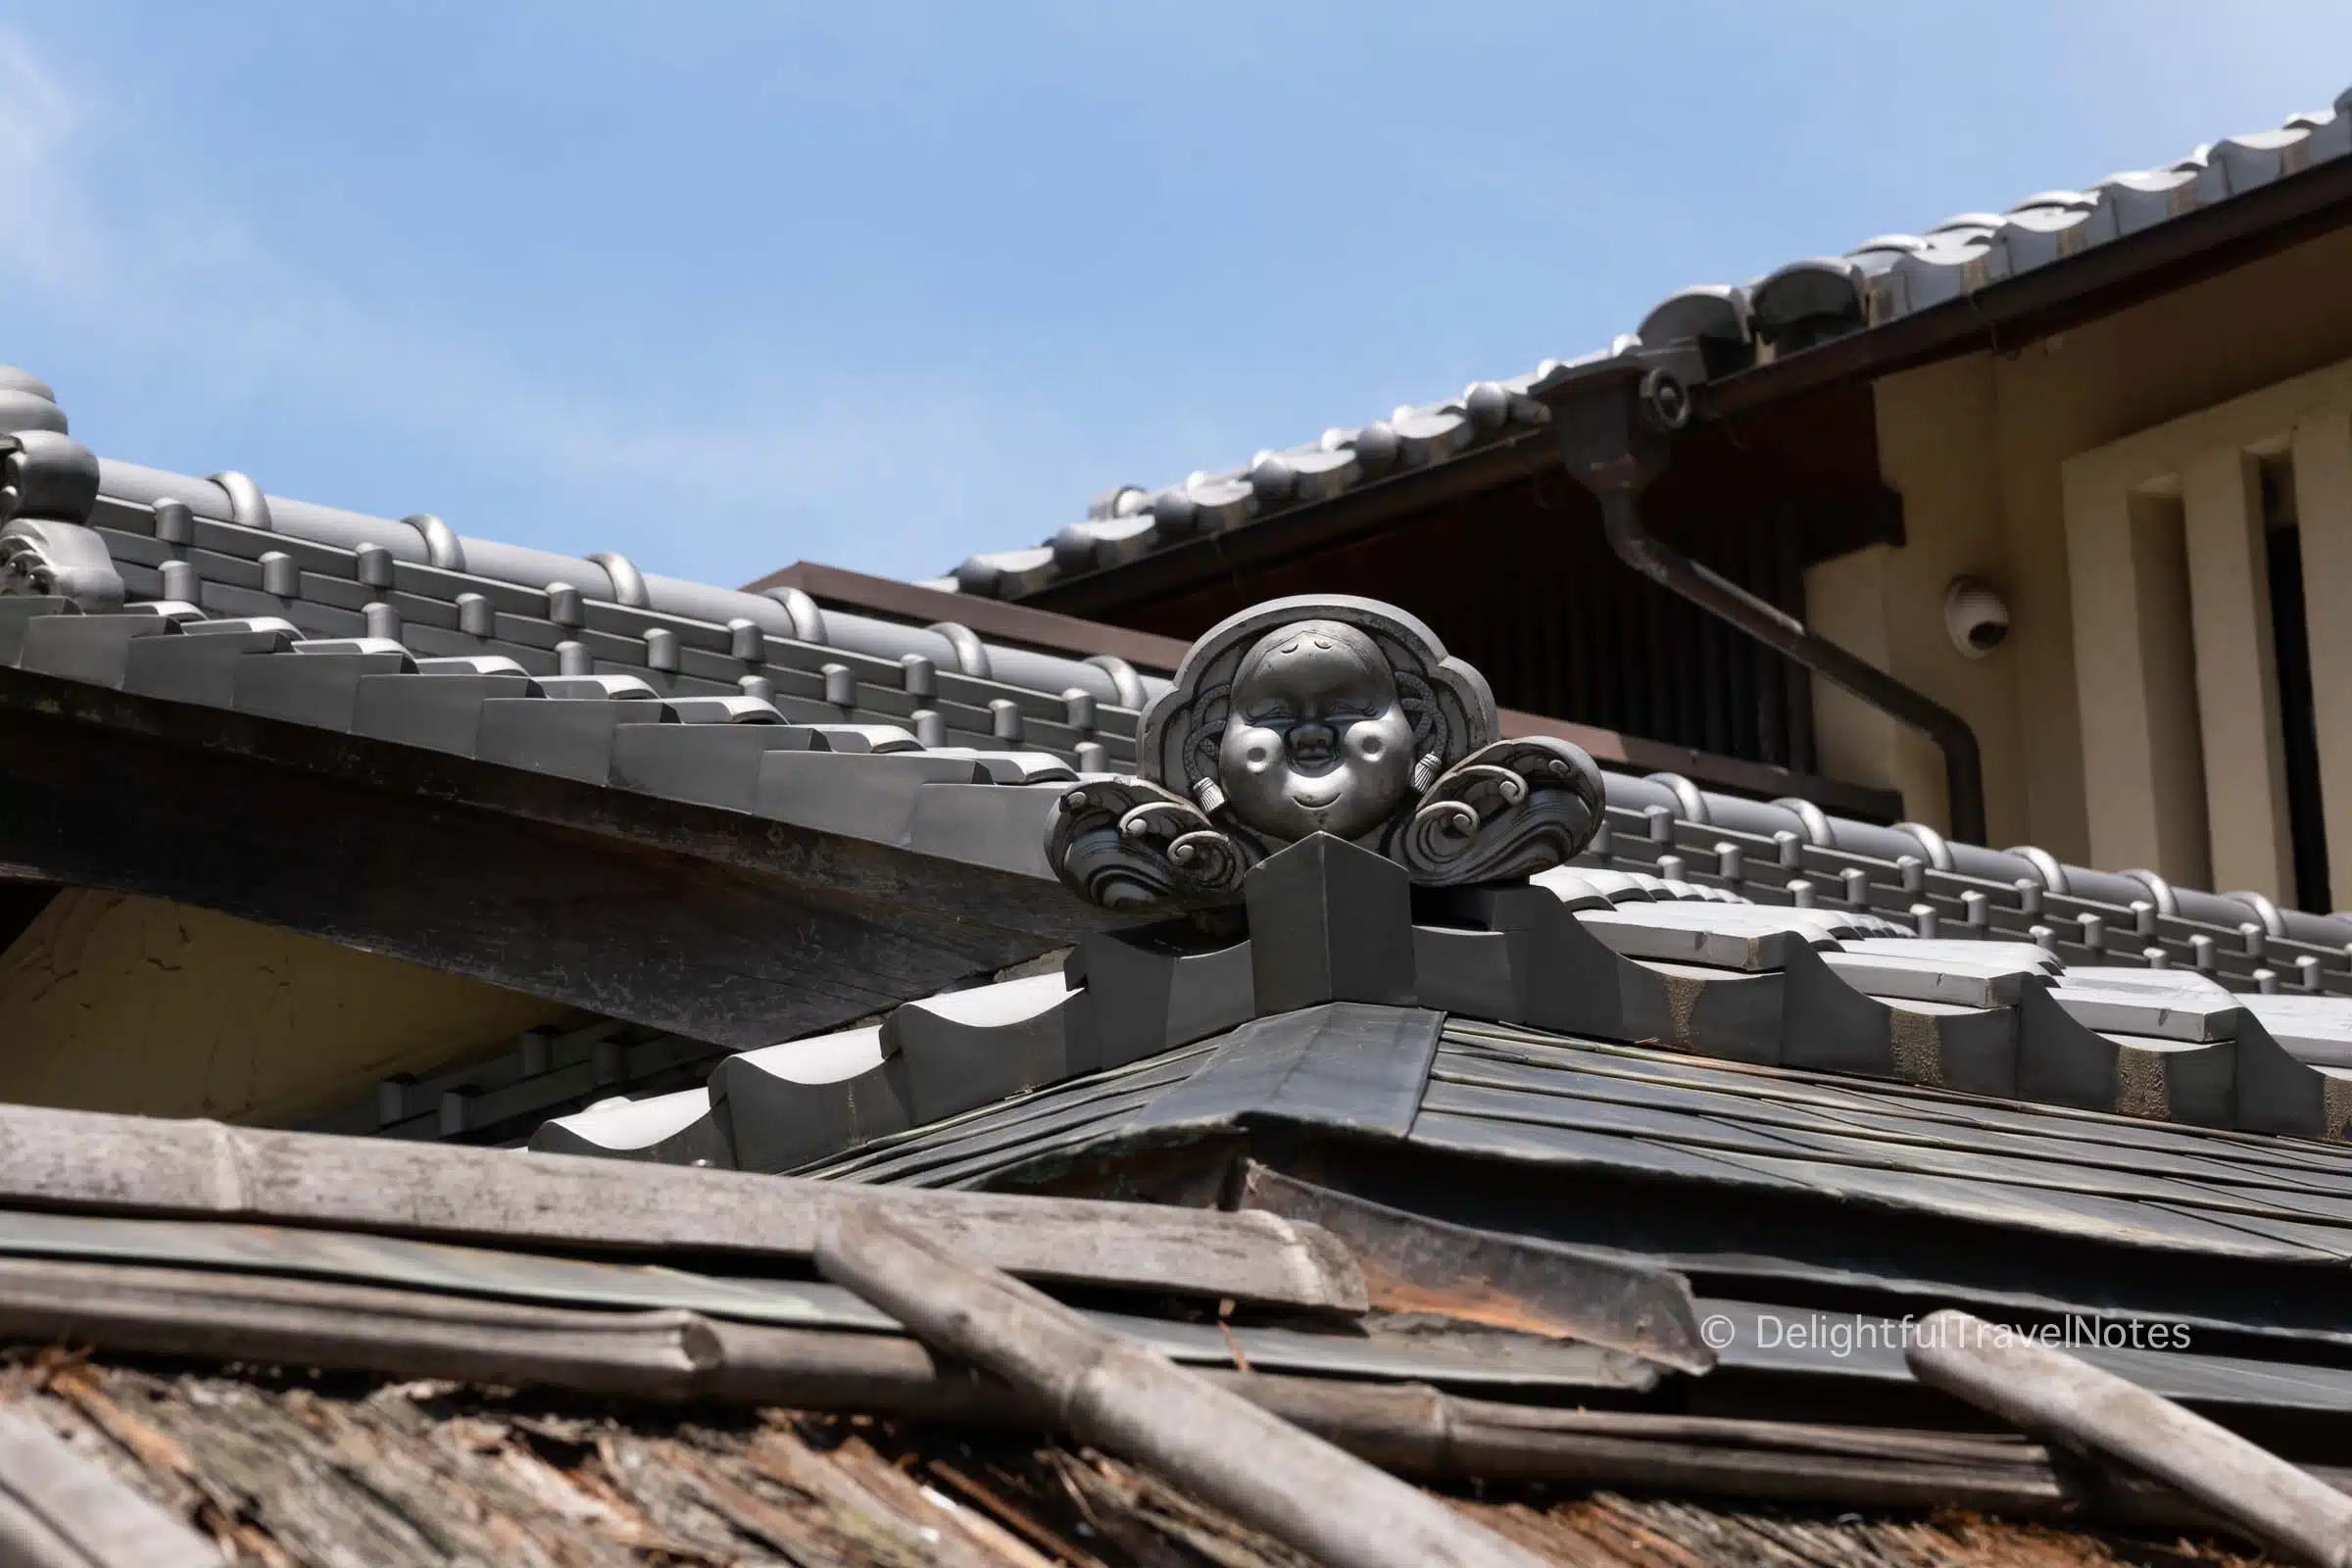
x=1615, y=421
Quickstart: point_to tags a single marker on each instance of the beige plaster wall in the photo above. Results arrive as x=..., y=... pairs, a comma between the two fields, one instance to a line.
x=1934, y=447
x=114, y=1003
x=1977, y=447
x=2190, y=698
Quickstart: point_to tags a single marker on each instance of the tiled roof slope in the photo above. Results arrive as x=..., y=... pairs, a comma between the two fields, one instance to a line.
x=1804, y=303
x=1119, y=1045
x=832, y=767
x=220, y=545
x=766, y=706
x=1661, y=836
x=769, y=705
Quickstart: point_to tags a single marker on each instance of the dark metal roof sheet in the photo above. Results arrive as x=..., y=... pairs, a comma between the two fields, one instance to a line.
x=1809, y=1196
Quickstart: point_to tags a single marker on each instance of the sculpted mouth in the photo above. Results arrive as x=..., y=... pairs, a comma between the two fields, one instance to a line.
x=1319, y=801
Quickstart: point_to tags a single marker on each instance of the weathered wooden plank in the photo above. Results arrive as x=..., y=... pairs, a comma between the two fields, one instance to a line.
x=1140, y=1511
x=285, y=1475
x=58, y=1510
x=882, y=1479
x=265, y=1319
x=1268, y=1474
x=2051, y=1394
x=77, y=1298
x=132, y=1164
x=729, y=929
x=665, y=1354
x=1409, y=1428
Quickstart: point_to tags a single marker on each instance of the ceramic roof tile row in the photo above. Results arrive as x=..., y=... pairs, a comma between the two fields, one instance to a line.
x=1663, y=838
x=1990, y=918
x=223, y=546
x=1588, y=954
x=730, y=664
x=1790, y=852
x=772, y=756
x=1800, y=304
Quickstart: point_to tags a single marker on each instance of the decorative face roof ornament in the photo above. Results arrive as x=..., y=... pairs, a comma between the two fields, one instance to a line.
x=1320, y=714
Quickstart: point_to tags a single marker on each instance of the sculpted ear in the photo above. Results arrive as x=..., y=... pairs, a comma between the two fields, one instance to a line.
x=1420, y=705
x=1200, y=747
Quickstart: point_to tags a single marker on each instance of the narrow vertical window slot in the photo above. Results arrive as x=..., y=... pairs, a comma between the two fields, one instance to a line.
x=2298, y=728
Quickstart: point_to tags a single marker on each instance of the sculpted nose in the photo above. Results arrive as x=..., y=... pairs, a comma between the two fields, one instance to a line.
x=1312, y=739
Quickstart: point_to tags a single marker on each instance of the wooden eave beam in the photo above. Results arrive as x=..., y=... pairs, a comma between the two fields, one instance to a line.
x=734, y=930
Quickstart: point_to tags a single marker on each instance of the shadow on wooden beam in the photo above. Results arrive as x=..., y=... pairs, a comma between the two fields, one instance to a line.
x=724, y=927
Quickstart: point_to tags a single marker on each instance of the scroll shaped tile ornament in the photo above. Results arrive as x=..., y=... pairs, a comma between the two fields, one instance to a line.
x=48, y=486
x=42, y=558
x=1320, y=714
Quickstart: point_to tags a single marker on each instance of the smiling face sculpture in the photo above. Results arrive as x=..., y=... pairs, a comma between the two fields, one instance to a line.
x=1319, y=715
x=1317, y=739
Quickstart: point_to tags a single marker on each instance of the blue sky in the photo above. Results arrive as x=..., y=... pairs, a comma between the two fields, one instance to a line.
x=729, y=285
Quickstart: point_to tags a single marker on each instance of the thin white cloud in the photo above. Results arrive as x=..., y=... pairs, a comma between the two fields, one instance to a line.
x=160, y=274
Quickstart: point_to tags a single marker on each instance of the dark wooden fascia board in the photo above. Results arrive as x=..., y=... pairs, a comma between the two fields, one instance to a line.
x=1302, y=531
x=2063, y=294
